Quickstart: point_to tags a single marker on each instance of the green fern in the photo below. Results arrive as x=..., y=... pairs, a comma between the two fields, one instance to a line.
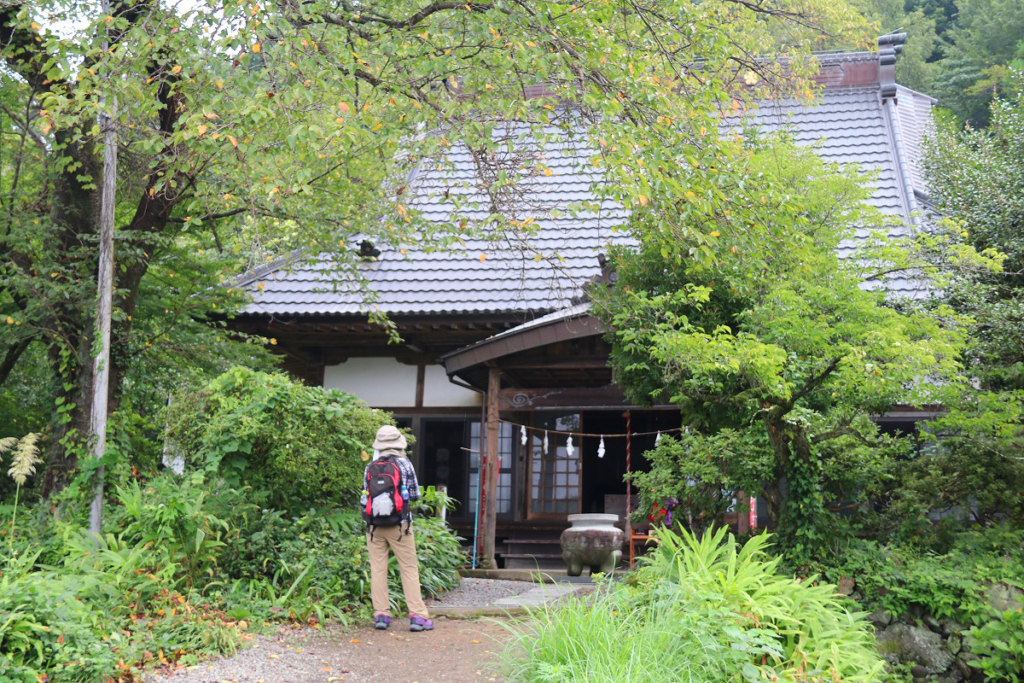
x=699, y=608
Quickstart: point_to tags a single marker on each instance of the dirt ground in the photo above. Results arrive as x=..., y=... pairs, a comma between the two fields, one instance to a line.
x=456, y=650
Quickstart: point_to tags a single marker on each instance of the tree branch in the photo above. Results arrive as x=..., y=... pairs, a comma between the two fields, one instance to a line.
x=813, y=383
x=12, y=356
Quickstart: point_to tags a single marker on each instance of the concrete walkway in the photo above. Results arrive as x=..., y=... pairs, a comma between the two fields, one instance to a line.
x=534, y=596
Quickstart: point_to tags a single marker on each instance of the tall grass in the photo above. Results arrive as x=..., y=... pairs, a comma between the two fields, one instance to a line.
x=698, y=610
x=610, y=637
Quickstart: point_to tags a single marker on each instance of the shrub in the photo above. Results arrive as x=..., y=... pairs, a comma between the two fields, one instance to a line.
x=949, y=585
x=303, y=445
x=44, y=629
x=699, y=609
x=999, y=645
x=693, y=477
x=326, y=554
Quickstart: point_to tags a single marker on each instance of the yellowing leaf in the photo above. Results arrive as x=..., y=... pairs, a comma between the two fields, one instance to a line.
x=547, y=171
x=201, y=129
x=257, y=47
x=344, y=106
x=715, y=233
x=176, y=69
x=643, y=200
x=483, y=257
x=233, y=141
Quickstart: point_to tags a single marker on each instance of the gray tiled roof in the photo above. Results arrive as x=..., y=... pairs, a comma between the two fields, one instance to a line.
x=914, y=117
x=849, y=125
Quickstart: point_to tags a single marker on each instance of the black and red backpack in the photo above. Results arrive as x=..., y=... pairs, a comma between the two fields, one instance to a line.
x=384, y=504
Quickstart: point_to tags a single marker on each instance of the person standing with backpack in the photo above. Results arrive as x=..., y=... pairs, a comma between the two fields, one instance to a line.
x=389, y=487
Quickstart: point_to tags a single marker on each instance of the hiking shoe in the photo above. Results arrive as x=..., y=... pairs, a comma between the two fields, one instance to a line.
x=420, y=624
x=382, y=622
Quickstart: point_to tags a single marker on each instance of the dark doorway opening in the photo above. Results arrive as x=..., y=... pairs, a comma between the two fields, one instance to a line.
x=604, y=487
x=445, y=462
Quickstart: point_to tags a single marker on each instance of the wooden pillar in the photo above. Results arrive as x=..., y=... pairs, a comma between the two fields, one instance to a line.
x=742, y=517
x=489, y=470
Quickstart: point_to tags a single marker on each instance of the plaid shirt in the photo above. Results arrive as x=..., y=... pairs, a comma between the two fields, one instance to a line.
x=408, y=477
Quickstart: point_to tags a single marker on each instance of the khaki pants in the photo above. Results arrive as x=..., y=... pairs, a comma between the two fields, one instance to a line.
x=404, y=547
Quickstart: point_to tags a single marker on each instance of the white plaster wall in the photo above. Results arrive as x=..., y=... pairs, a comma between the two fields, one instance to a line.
x=381, y=382
x=439, y=392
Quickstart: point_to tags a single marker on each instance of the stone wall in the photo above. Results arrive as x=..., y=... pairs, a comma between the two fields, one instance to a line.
x=936, y=649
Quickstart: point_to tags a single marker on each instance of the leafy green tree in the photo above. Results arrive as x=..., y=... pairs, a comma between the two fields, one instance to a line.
x=987, y=40
x=915, y=67
x=977, y=179
x=777, y=335
x=314, y=114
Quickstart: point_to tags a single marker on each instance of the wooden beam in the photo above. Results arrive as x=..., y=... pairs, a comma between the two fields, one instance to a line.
x=556, y=362
x=568, y=398
x=489, y=470
x=421, y=371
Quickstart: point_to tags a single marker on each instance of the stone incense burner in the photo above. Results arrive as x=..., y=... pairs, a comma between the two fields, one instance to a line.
x=592, y=541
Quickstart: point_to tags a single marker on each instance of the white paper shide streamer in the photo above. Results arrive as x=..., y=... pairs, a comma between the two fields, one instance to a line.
x=545, y=442
x=600, y=447
x=522, y=435
x=569, y=448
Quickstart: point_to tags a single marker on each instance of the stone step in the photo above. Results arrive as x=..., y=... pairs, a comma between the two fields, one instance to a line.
x=533, y=561
x=533, y=546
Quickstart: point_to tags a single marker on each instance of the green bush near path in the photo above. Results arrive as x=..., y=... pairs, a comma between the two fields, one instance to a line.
x=296, y=444
x=190, y=565
x=698, y=609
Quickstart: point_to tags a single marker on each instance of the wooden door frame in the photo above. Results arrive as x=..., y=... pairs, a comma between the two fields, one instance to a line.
x=529, y=514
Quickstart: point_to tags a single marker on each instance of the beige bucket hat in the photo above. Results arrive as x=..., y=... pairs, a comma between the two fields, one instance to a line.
x=389, y=439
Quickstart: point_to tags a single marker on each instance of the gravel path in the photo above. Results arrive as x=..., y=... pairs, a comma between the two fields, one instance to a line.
x=480, y=593
x=455, y=650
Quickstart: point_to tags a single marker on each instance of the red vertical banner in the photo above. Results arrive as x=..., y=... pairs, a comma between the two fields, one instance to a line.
x=753, y=514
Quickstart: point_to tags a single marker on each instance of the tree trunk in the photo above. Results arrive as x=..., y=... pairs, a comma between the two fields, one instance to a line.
x=802, y=509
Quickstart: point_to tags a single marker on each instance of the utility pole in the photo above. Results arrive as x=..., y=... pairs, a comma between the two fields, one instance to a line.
x=105, y=288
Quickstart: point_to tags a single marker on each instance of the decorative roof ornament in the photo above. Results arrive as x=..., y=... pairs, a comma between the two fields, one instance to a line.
x=889, y=48
x=367, y=251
